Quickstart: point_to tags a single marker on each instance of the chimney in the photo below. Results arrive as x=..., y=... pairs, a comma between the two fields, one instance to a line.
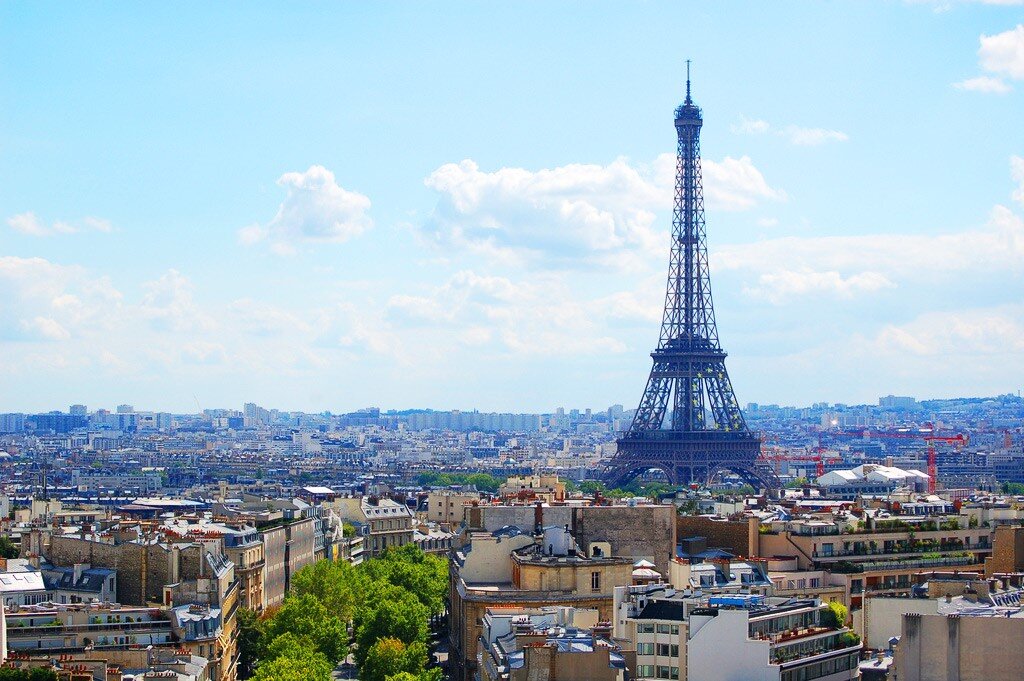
x=538, y=517
x=78, y=569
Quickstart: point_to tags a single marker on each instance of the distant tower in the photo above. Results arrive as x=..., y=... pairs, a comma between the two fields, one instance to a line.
x=689, y=424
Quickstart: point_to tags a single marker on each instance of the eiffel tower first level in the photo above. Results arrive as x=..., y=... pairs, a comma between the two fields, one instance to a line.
x=689, y=424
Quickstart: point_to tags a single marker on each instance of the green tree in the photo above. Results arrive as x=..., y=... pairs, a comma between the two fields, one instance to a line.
x=421, y=574
x=306, y=617
x=434, y=674
x=34, y=674
x=393, y=612
x=834, y=615
x=250, y=636
x=333, y=583
x=7, y=548
x=389, y=657
x=308, y=668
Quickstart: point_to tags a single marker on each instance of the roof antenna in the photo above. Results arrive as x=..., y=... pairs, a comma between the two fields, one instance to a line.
x=688, y=100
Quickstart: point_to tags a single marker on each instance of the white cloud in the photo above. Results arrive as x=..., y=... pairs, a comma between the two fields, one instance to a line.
x=316, y=209
x=168, y=304
x=29, y=223
x=978, y=332
x=778, y=286
x=767, y=222
x=749, y=126
x=806, y=137
x=45, y=328
x=1017, y=173
x=537, y=317
x=794, y=134
x=1003, y=53
x=575, y=214
x=984, y=84
x=847, y=266
x=735, y=184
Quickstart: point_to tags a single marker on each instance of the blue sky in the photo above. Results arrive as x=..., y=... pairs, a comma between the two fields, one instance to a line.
x=457, y=205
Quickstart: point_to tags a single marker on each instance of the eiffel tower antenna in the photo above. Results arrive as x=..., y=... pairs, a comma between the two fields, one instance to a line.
x=688, y=100
x=689, y=424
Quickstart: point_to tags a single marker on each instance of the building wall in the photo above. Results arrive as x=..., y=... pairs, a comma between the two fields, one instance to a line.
x=301, y=542
x=542, y=663
x=467, y=613
x=940, y=648
x=616, y=525
x=746, y=660
x=619, y=525
x=572, y=577
x=274, y=543
x=882, y=618
x=1007, y=550
x=142, y=570
x=731, y=535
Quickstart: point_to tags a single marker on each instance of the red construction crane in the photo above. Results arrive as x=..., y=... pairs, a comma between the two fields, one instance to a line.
x=933, y=469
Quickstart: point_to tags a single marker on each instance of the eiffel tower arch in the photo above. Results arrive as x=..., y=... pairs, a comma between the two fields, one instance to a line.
x=689, y=424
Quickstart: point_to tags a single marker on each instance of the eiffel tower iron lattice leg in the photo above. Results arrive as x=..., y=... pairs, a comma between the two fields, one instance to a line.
x=689, y=424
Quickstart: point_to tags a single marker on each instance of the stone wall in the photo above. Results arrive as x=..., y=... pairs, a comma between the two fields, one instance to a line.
x=142, y=569
x=731, y=535
x=1007, y=550
x=637, y=532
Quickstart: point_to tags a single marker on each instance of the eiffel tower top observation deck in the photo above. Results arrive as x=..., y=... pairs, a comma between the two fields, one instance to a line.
x=689, y=423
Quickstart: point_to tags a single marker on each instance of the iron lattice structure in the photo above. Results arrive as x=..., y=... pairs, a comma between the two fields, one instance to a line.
x=689, y=424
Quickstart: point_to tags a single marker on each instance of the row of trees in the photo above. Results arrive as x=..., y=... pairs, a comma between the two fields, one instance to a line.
x=388, y=602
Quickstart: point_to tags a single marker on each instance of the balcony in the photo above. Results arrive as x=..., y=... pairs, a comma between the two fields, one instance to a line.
x=901, y=550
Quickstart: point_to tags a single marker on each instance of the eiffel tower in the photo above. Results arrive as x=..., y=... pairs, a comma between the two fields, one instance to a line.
x=689, y=424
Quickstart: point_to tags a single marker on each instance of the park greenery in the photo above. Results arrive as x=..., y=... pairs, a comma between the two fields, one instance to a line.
x=481, y=481
x=25, y=674
x=387, y=601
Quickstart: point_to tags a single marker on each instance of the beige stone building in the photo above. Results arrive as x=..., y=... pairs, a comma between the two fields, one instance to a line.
x=448, y=508
x=511, y=569
x=384, y=523
x=966, y=644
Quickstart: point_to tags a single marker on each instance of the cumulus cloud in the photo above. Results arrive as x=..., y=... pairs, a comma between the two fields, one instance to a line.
x=536, y=317
x=804, y=137
x=1001, y=54
x=30, y=224
x=977, y=332
x=575, y=214
x=168, y=304
x=779, y=286
x=316, y=209
x=849, y=265
x=986, y=84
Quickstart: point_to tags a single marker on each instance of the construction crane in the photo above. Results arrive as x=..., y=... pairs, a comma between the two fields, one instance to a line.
x=777, y=457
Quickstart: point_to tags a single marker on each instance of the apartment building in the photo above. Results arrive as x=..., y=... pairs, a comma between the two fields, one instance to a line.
x=511, y=568
x=880, y=555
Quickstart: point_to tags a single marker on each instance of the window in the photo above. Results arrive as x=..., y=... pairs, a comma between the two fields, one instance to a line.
x=674, y=651
x=674, y=629
x=644, y=648
x=674, y=673
x=645, y=670
x=663, y=649
x=595, y=581
x=663, y=672
x=663, y=629
x=646, y=628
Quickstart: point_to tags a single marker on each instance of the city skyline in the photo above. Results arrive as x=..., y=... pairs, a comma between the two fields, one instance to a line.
x=361, y=206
